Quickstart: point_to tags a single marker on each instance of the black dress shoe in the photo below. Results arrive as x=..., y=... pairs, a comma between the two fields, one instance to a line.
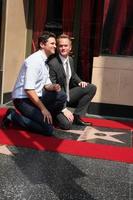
x=78, y=121
x=6, y=121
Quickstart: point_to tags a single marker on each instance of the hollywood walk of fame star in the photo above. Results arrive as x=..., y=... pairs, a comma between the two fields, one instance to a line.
x=90, y=133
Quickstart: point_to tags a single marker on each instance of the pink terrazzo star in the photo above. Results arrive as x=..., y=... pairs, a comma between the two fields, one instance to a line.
x=90, y=133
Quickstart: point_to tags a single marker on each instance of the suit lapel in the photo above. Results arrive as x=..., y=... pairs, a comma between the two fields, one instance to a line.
x=71, y=65
x=61, y=68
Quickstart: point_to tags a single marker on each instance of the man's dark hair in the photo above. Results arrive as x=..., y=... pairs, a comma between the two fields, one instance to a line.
x=44, y=37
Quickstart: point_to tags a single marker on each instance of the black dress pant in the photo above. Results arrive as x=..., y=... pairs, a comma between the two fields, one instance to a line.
x=30, y=116
x=80, y=99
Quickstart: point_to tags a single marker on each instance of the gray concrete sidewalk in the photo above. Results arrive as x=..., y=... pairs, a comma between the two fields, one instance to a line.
x=36, y=175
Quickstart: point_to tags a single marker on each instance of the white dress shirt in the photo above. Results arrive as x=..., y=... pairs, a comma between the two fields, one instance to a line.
x=64, y=60
x=34, y=74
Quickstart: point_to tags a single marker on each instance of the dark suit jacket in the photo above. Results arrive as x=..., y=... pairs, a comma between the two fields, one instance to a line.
x=57, y=73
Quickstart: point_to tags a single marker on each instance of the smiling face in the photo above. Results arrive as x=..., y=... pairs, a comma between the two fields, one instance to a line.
x=49, y=46
x=64, y=46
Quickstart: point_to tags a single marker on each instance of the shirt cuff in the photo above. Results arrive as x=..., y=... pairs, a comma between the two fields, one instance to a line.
x=64, y=109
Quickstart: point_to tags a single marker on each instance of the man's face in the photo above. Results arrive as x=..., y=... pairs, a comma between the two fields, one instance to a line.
x=49, y=46
x=64, y=46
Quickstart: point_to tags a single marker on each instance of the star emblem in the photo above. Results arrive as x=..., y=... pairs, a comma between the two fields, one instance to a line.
x=90, y=133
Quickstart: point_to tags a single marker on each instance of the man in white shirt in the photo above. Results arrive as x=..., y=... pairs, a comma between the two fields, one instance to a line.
x=34, y=96
x=79, y=93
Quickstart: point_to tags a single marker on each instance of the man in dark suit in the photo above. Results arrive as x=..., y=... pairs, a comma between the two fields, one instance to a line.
x=79, y=93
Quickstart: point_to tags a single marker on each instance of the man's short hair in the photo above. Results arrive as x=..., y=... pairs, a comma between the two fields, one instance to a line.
x=44, y=37
x=63, y=36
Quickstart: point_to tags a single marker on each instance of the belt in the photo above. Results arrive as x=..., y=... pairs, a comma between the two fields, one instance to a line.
x=19, y=100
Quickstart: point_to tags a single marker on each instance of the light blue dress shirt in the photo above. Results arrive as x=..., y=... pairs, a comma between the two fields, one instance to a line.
x=34, y=74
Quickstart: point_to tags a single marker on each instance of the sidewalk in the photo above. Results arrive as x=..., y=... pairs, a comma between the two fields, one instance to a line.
x=36, y=175
x=27, y=174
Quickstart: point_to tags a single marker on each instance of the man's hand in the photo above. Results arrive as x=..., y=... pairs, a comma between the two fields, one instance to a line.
x=47, y=116
x=53, y=87
x=83, y=84
x=56, y=87
x=68, y=114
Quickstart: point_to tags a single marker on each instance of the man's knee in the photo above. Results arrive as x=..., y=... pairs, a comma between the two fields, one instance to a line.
x=93, y=89
x=66, y=125
x=63, y=122
x=62, y=96
x=90, y=89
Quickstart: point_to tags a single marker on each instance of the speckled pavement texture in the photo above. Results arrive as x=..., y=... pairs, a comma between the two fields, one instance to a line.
x=27, y=174
x=39, y=175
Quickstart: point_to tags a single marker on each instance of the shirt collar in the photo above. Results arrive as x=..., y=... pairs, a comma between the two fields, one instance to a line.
x=64, y=60
x=43, y=55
